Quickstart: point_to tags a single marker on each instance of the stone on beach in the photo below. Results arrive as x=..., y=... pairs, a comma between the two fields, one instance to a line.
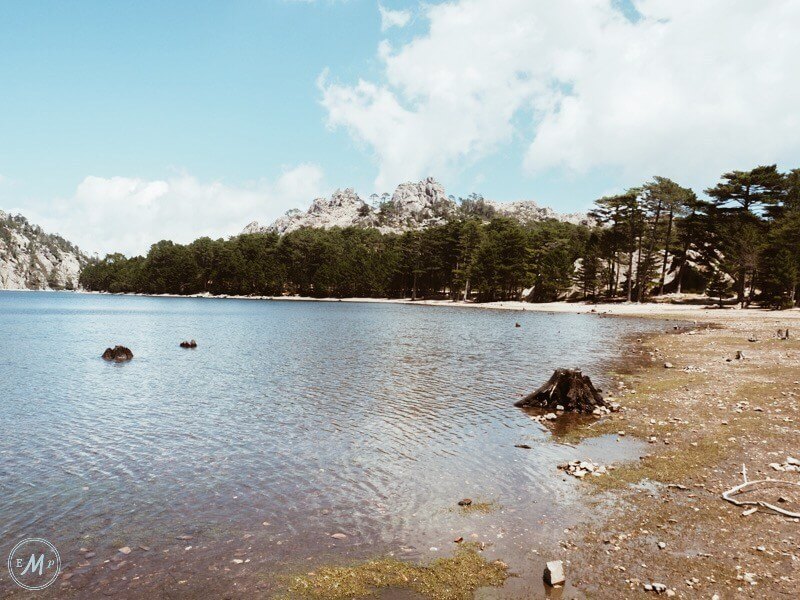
x=554, y=573
x=582, y=468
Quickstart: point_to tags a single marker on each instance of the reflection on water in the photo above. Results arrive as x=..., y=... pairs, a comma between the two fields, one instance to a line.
x=314, y=418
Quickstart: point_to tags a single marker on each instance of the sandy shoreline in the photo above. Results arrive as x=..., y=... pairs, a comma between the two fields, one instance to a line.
x=664, y=520
x=669, y=309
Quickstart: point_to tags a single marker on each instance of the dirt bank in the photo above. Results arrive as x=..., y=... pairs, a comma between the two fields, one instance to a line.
x=704, y=417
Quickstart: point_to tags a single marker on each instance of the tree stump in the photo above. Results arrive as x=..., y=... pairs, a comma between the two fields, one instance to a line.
x=568, y=388
x=117, y=354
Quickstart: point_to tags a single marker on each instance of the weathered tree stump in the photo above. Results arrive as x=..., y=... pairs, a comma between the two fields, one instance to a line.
x=567, y=388
x=117, y=354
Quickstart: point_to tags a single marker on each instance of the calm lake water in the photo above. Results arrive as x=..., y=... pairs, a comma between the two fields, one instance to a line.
x=291, y=421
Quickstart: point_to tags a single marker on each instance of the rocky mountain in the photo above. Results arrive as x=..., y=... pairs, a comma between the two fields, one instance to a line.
x=33, y=259
x=412, y=206
x=528, y=211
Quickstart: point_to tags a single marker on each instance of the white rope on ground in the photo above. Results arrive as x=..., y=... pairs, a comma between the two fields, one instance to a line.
x=748, y=486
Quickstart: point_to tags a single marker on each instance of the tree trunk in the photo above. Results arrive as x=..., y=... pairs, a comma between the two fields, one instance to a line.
x=630, y=275
x=666, y=254
x=639, y=282
x=752, y=293
x=567, y=388
x=740, y=291
x=651, y=248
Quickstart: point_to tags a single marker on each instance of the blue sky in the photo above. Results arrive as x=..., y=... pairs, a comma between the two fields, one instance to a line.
x=202, y=116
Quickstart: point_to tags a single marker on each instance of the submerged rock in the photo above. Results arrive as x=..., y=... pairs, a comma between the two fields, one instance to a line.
x=567, y=388
x=117, y=354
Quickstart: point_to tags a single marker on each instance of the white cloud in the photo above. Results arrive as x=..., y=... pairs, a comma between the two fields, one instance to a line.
x=125, y=214
x=393, y=18
x=688, y=90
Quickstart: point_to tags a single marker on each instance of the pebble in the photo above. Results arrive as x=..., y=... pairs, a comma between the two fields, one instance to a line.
x=465, y=502
x=339, y=536
x=582, y=468
x=125, y=549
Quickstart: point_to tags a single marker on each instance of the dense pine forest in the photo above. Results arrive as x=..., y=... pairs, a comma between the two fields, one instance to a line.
x=742, y=242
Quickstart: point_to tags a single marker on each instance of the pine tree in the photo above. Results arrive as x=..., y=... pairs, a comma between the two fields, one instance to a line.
x=719, y=287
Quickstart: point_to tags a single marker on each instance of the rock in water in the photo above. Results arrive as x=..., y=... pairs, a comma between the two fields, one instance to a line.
x=568, y=388
x=118, y=354
x=554, y=573
x=190, y=344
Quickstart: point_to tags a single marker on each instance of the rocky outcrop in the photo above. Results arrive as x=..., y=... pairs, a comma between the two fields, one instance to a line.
x=343, y=209
x=412, y=206
x=33, y=259
x=118, y=354
x=529, y=212
x=416, y=206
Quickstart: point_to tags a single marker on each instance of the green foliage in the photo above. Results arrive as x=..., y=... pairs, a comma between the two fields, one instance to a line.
x=719, y=287
x=648, y=240
x=493, y=260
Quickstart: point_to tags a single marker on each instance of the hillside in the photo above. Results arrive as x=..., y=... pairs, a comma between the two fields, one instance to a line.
x=33, y=259
x=412, y=206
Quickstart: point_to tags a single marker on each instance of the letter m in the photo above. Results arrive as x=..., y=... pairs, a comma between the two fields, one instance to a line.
x=34, y=564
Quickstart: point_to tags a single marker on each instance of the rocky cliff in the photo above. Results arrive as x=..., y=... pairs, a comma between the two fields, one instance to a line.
x=33, y=259
x=412, y=206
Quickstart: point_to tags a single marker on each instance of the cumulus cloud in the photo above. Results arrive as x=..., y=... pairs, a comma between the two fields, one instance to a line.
x=393, y=18
x=128, y=214
x=687, y=89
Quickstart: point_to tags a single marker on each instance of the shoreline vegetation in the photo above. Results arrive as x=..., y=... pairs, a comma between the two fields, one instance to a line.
x=659, y=238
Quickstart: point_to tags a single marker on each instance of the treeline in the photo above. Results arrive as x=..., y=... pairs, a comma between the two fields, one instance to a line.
x=654, y=239
x=491, y=260
x=661, y=238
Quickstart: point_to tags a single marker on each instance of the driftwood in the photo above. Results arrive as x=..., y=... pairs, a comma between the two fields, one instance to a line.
x=749, y=486
x=117, y=354
x=567, y=388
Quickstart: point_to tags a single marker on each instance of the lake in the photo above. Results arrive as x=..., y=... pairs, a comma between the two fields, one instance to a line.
x=291, y=421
